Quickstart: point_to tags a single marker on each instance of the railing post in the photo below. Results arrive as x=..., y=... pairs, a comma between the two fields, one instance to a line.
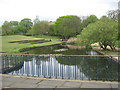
x=12, y=60
x=49, y=69
x=62, y=67
x=83, y=67
x=3, y=62
x=68, y=67
x=75, y=67
x=6, y=62
x=89, y=66
x=105, y=69
x=44, y=66
x=32, y=70
x=111, y=68
x=38, y=65
x=56, y=69
x=17, y=62
x=96, y=68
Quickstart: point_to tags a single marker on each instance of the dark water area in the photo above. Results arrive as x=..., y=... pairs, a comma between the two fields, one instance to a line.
x=60, y=49
x=62, y=67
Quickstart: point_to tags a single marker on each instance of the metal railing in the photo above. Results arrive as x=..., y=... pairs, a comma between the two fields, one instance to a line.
x=80, y=67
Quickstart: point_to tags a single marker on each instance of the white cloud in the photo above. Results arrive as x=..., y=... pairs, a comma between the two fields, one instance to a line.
x=52, y=9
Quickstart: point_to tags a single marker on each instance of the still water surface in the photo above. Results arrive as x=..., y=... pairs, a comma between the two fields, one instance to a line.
x=61, y=49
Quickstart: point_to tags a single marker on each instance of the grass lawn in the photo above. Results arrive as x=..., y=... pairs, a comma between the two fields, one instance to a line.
x=47, y=37
x=15, y=47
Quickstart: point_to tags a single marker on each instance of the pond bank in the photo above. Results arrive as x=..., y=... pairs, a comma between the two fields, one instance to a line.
x=27, y=49
x=114, y=57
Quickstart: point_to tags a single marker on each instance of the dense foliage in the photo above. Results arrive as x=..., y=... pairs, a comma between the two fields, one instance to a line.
x=68, y=26
x=115, y=15
x=24, y=26
x=15, y=27
x=8, y=27
x=104, y=31
x=40, y=28
x=90, y=19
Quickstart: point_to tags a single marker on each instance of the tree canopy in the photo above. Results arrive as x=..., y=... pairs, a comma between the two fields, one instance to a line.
x=90, y=19
x=25, y=25
x=40, y=28
x=8, y=27
x=68, y=26
x=104, y=31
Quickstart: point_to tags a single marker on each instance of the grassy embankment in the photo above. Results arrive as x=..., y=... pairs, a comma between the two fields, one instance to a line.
x=15, y=47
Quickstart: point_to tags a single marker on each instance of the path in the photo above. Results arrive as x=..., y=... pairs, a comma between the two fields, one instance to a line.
x=9, y=81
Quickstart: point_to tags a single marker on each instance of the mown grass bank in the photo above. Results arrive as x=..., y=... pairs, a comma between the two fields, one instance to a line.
x=15, y=47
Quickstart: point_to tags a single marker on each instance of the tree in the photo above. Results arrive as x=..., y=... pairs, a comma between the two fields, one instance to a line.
x=40, y=27
x=14, y=23
x=68, y=26
x=8, y=27
x=90, y=19
x=0, y=30
x=104, y=31
x=24, y=26
x=51, y=29
x=113, y=14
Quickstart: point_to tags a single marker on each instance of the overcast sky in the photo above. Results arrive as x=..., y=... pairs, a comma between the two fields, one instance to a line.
x=52, y=9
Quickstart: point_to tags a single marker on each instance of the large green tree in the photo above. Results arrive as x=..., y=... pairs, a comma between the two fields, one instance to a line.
x=90, y=19
x=40, y=28
x=68, y=26
x=25, y=25
x=104, y=31
x=115, y=15
x=8, y=27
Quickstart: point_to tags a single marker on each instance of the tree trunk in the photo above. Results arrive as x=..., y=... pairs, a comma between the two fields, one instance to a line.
x=112, y=48
x=105, y=47
x=101, y=46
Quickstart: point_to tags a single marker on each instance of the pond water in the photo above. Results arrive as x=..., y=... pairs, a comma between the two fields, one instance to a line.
x=60, y=49
x=63, y=67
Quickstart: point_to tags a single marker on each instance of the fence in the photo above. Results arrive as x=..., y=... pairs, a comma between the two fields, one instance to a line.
x=80, y=67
